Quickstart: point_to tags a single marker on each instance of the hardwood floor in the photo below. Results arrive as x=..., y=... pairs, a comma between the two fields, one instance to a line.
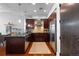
x=50, y=48
x=32, y=50
x=40, y=49
x=2, y=51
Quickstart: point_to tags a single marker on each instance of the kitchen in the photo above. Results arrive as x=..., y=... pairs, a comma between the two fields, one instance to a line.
x=25, y=24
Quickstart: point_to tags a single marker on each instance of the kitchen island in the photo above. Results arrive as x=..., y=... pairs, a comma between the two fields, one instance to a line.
x=39, y=36
x=15, y=44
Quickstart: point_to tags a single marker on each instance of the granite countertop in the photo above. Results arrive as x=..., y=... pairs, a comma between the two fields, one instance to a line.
x=15, y=36
x=40, y=31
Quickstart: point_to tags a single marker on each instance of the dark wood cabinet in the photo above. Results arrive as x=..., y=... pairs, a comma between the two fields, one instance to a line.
x=30, y=23
x=46, y=23
x=30, y=38
x=39, y=37
x=15, y=45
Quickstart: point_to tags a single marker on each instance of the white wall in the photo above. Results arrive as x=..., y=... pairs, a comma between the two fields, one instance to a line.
x=13, y=18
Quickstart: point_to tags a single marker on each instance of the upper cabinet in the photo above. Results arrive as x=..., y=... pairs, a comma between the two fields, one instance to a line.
x=30, y=23
x=47, y=21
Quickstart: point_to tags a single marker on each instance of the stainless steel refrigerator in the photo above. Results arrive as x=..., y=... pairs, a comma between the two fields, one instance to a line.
x=69, y=26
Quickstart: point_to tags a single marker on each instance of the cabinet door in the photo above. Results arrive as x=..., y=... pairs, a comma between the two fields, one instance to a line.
x=15, y=45
x=46, y=23
x=30, y=23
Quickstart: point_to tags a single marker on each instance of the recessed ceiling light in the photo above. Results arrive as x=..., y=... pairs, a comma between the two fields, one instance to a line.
x=29, y=25
x=19, y=20
x=35, y=10
x=33, y=3
x=47, y=3
x=44, y=10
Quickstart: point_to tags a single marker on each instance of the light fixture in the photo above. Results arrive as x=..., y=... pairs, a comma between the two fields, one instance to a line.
x=44, y=10
x=47, y=3
x=35, y=10
x=29, y=25
x=19, y=20
x=33, y=3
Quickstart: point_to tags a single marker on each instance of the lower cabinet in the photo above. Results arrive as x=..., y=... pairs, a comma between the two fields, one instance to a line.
x=15, y=45
x=39, y=37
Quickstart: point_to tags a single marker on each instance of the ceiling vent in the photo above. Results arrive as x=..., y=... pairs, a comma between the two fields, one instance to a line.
x=19, y=4
x=40, y=8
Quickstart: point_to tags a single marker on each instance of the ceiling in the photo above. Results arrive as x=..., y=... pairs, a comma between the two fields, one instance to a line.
x=29, y=10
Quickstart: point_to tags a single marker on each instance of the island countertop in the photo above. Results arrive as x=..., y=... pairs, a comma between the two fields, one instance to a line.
x=15, y=36
x=40, y=31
